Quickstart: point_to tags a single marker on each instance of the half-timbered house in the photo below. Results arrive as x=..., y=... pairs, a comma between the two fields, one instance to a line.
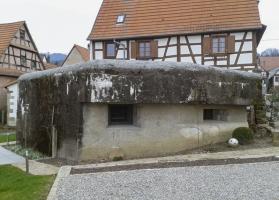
x=18, y=55
x=209, y=32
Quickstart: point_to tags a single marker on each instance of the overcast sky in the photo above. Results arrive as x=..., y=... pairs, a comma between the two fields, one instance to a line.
x=58, y=24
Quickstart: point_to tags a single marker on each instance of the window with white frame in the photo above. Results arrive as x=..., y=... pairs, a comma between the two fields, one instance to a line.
x=219, y=44
x=120, y=19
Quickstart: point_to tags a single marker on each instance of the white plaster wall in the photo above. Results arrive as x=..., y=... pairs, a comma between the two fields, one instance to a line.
x=238, y=36
x=172, y=51
x=98, y=45
x=196, y=49
x=187, y=59
x=99, y=55
x=184, y=49
x=246, y=58
x=173, y=40
x=159, y=129
x=162, y=41
x=195, y=39
x=121, y=53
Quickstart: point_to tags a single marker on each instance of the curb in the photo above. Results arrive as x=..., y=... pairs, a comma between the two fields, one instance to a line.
x=62, y=173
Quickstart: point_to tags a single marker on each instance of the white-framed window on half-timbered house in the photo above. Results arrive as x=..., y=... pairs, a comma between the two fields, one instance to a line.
x=144, y=49
x=219, y=44
x=110, y=50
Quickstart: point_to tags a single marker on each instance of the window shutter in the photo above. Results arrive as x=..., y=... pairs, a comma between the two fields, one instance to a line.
x=154, y=49
x=231, y=44
x=207, y=45
x=134, y=50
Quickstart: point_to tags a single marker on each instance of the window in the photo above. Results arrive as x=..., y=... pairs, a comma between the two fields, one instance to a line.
x=23, y=60
x=214, y=114
x=33, y=64
x=120, y=19
x=120, y=114
x=110, y=50
x=22, y=34
x=219, y=44
x=276, y=78
x=144, y=50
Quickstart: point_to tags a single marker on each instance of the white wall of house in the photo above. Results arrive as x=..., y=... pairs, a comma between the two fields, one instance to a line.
x=169, y=47
x=12, y=98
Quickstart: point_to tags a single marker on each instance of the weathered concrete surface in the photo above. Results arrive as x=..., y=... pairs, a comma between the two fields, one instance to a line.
x=55, y=98
x=159, y=129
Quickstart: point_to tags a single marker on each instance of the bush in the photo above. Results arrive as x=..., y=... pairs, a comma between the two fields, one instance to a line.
x=243, y=135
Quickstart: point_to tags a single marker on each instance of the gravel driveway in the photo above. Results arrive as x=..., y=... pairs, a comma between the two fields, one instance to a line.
x=258, y=181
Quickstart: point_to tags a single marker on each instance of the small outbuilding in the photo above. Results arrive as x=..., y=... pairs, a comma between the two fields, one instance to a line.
x=108, y=109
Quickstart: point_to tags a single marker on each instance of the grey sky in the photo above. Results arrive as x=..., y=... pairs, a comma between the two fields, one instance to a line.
x=58, y=24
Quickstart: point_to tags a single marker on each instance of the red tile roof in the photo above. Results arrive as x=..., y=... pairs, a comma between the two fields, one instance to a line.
x=10, y=72
x=83, y=52
x=269, y=63
x=50, y=66
x=7, y=32
x=165, y=17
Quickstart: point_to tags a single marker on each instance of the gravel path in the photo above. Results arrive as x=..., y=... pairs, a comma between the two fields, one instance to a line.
x=258, y=181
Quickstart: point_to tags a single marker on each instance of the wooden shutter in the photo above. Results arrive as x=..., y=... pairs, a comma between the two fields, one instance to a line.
x=134, y=50
x=154, y=49
x=231, y=44
x=207, y=49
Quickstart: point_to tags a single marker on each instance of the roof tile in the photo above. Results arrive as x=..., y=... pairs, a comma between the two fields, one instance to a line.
x=165, y=17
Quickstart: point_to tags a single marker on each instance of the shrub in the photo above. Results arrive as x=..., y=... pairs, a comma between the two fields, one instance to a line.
x=117, y=158
x=243, y=135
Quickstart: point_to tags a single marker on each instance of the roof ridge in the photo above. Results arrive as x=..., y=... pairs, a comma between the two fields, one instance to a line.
x=23, y=21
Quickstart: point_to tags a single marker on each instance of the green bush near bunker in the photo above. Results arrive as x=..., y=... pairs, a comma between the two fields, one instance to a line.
x=244, y=135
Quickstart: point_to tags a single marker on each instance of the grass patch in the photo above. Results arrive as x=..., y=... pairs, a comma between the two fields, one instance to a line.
x=4, y=138
x=17, y=185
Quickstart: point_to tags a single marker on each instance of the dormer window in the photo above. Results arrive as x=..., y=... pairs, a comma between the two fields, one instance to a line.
x=120, y=19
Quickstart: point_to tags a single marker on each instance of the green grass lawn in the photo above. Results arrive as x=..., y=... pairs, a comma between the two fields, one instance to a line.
x=3, y=138
x=17, y=185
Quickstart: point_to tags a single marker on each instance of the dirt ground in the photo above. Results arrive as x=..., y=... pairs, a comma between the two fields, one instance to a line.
x=222, y=147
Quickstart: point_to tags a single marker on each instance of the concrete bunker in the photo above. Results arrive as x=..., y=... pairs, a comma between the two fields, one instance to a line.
x=106, y=109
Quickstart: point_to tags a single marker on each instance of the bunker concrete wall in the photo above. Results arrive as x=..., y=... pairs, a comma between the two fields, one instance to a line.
x=54, y=99
x=159, y=129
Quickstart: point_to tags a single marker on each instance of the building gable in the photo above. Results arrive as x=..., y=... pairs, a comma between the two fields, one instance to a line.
x=17, y=48
x=77, y=54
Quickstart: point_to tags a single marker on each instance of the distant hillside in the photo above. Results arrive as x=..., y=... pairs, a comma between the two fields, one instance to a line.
x=55, y=58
